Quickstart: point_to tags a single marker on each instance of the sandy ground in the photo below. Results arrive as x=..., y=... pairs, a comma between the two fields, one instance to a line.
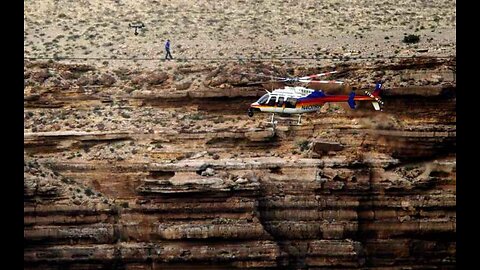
x=237, y=29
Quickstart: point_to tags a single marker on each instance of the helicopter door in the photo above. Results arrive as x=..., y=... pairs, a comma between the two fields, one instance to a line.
x=270, y=105
x=280, y=105
x=290, y=105
x=272, y=101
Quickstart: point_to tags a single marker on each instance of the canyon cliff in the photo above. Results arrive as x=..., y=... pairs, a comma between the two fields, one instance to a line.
x=163, y=169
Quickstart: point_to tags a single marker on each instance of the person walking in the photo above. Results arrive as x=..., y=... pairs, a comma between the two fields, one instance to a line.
x=167, y=49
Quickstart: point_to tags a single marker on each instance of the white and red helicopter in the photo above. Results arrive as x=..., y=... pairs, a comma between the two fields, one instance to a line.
x=299, y=100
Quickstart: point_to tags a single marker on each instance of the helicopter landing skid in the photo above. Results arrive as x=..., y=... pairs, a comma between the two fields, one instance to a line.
x=274, y=123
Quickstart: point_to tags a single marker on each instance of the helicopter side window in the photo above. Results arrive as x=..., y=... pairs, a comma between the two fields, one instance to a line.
x=290, y=103
x=263, y=99
x=280, y=102
x=272, y=101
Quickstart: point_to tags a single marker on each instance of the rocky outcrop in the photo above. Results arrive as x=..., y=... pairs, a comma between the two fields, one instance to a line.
x=170, y=182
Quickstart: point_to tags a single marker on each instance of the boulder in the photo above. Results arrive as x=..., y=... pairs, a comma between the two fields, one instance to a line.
x=323, y=147
x=156, y=78
x=41, y=75
x=106, y=80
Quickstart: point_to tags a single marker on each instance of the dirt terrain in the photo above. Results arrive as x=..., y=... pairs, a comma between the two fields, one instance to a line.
x=237, y=29
x=155, y=165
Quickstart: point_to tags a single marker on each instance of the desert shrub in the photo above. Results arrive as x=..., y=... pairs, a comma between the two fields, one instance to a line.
x=410, y=39
x=88, y=192
x=303, y=145
x=196, y=117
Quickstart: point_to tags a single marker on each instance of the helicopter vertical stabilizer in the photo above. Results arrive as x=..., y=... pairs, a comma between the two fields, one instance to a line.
x=378, y=89
x=376, y=96
x=351, y=100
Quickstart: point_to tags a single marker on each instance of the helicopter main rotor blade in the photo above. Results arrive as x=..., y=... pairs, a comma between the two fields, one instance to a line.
x=312, y=81
x=246, y=84
x=305, y=79
x=265, y=76
x=317, y=75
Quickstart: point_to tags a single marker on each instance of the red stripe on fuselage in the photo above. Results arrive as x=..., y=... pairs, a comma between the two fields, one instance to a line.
x=340, y=98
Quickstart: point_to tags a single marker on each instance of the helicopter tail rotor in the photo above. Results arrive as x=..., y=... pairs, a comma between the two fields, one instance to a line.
x=378, y=89
x=376, y=96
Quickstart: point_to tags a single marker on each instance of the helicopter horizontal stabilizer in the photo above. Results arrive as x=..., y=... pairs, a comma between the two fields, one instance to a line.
x=351, y=100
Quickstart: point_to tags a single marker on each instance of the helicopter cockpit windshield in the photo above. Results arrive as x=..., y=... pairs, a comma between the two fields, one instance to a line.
x=263, y=99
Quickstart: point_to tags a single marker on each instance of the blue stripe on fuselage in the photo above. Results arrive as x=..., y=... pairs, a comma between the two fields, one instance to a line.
x=314, y=94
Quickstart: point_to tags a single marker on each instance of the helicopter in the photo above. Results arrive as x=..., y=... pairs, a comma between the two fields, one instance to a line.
x=299, y=99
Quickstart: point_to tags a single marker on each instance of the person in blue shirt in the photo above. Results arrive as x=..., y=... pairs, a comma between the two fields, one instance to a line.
x=167, y=48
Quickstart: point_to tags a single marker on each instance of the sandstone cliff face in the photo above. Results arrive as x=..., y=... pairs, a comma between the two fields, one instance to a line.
x=163, y=169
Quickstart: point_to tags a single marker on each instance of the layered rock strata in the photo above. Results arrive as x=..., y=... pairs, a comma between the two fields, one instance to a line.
x=159, y=178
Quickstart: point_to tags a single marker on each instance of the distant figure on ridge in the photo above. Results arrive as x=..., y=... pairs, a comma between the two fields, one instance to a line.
x=167, y=48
